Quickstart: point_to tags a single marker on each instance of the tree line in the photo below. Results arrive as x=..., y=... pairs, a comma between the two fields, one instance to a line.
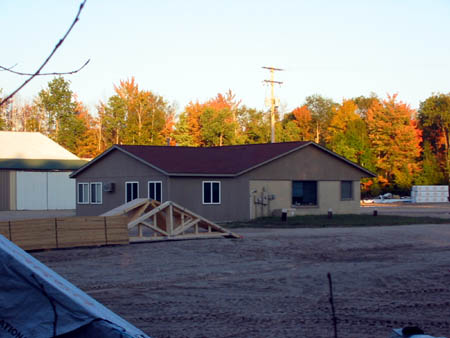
x=385, y=135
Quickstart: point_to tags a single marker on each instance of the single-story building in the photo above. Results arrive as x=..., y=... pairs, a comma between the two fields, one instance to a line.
x=34, y=173
x=223, y=183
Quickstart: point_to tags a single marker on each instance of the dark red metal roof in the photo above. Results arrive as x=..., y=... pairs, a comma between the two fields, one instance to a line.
x=226, y=160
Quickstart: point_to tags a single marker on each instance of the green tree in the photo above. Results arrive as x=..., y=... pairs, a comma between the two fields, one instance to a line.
x=322, y=111
x=434, y=119
x=61, y=117
x=364, y=103
x=431, y=172
x=113, y=121
x=347, y=135
x=254, y=126
x=2, y=123
x=218, y=127
x=181, y=134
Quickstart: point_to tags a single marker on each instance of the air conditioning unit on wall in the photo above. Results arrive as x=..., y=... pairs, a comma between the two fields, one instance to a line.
x=108, y=187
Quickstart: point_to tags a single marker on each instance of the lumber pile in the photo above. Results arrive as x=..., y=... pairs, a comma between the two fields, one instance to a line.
x=67, y=232
x=150, y=220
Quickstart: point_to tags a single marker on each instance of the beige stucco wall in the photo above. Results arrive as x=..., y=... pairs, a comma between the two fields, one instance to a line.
x=328, y=196
x=260, y=190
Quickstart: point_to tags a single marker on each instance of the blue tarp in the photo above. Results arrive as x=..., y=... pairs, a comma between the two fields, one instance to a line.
x=36, y=302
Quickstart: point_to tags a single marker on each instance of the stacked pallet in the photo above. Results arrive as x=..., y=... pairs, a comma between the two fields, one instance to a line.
x=51, y=233
x=429, y=193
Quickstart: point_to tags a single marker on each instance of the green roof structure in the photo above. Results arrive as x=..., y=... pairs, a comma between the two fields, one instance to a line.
x=38, y=164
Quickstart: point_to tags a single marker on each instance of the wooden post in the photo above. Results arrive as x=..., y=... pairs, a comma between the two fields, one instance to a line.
x=182, y=222
x=9, y=226
x=170, y=225
x=106, y=231
x=56, y=233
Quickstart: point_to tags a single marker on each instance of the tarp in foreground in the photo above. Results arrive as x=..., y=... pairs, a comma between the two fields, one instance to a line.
x=36, y=302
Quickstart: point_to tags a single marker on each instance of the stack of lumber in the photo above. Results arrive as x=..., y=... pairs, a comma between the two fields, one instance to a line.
x=429, y=193
x=68, y=232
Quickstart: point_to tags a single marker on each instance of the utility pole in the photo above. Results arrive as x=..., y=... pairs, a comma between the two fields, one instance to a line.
x=273, y=101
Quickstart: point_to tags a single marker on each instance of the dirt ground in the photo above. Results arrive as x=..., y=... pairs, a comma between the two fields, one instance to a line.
x=273, y=283
x=441, y=210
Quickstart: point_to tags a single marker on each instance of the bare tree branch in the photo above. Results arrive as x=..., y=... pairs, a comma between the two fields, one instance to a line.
x=44, y=74
x=38, y=72
x=9, y=69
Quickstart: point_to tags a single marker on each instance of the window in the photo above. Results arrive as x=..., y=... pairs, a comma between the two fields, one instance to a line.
x=211, y=192
x=96, y=193
x=131, y=191
x=83, y=193
x=346, y=190
x=304, y=193
x=154, y=190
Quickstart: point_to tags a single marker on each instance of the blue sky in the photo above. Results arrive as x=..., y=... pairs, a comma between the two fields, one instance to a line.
x=192, y=50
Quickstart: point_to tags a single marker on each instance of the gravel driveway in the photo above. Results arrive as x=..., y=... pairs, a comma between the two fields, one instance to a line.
x=273, y=283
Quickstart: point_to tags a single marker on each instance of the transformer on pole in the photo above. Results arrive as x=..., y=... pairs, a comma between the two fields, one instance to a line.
x=273, y=102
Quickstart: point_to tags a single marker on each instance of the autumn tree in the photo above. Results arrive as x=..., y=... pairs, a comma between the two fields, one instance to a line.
x=222, y=109
x=87, y=144
x=297, y=125
x=434, y=119
x=135, y=116
x=394, y=140
x=347, y=135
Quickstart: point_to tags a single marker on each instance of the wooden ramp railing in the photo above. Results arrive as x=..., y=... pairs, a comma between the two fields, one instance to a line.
x=150, y=220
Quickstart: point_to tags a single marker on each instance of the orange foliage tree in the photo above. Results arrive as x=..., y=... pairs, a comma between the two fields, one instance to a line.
x=297, y=125
x=395, y=141
x=213, y=122
x=135, y=116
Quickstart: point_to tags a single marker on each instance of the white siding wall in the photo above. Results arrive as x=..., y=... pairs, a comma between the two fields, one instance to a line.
x=45, y=190
x=31, y=190
x=61, y=191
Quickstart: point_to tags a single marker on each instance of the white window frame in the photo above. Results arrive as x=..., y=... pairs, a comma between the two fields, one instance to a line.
x=85, y=198
x=126, y=185
x=148, y=188
x=101, y=192
x=212, y=197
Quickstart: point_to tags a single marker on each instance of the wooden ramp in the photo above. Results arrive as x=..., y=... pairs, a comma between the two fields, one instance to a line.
x=150, y=220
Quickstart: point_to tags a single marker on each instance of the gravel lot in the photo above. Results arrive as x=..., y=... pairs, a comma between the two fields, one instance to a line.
x=273, y=283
